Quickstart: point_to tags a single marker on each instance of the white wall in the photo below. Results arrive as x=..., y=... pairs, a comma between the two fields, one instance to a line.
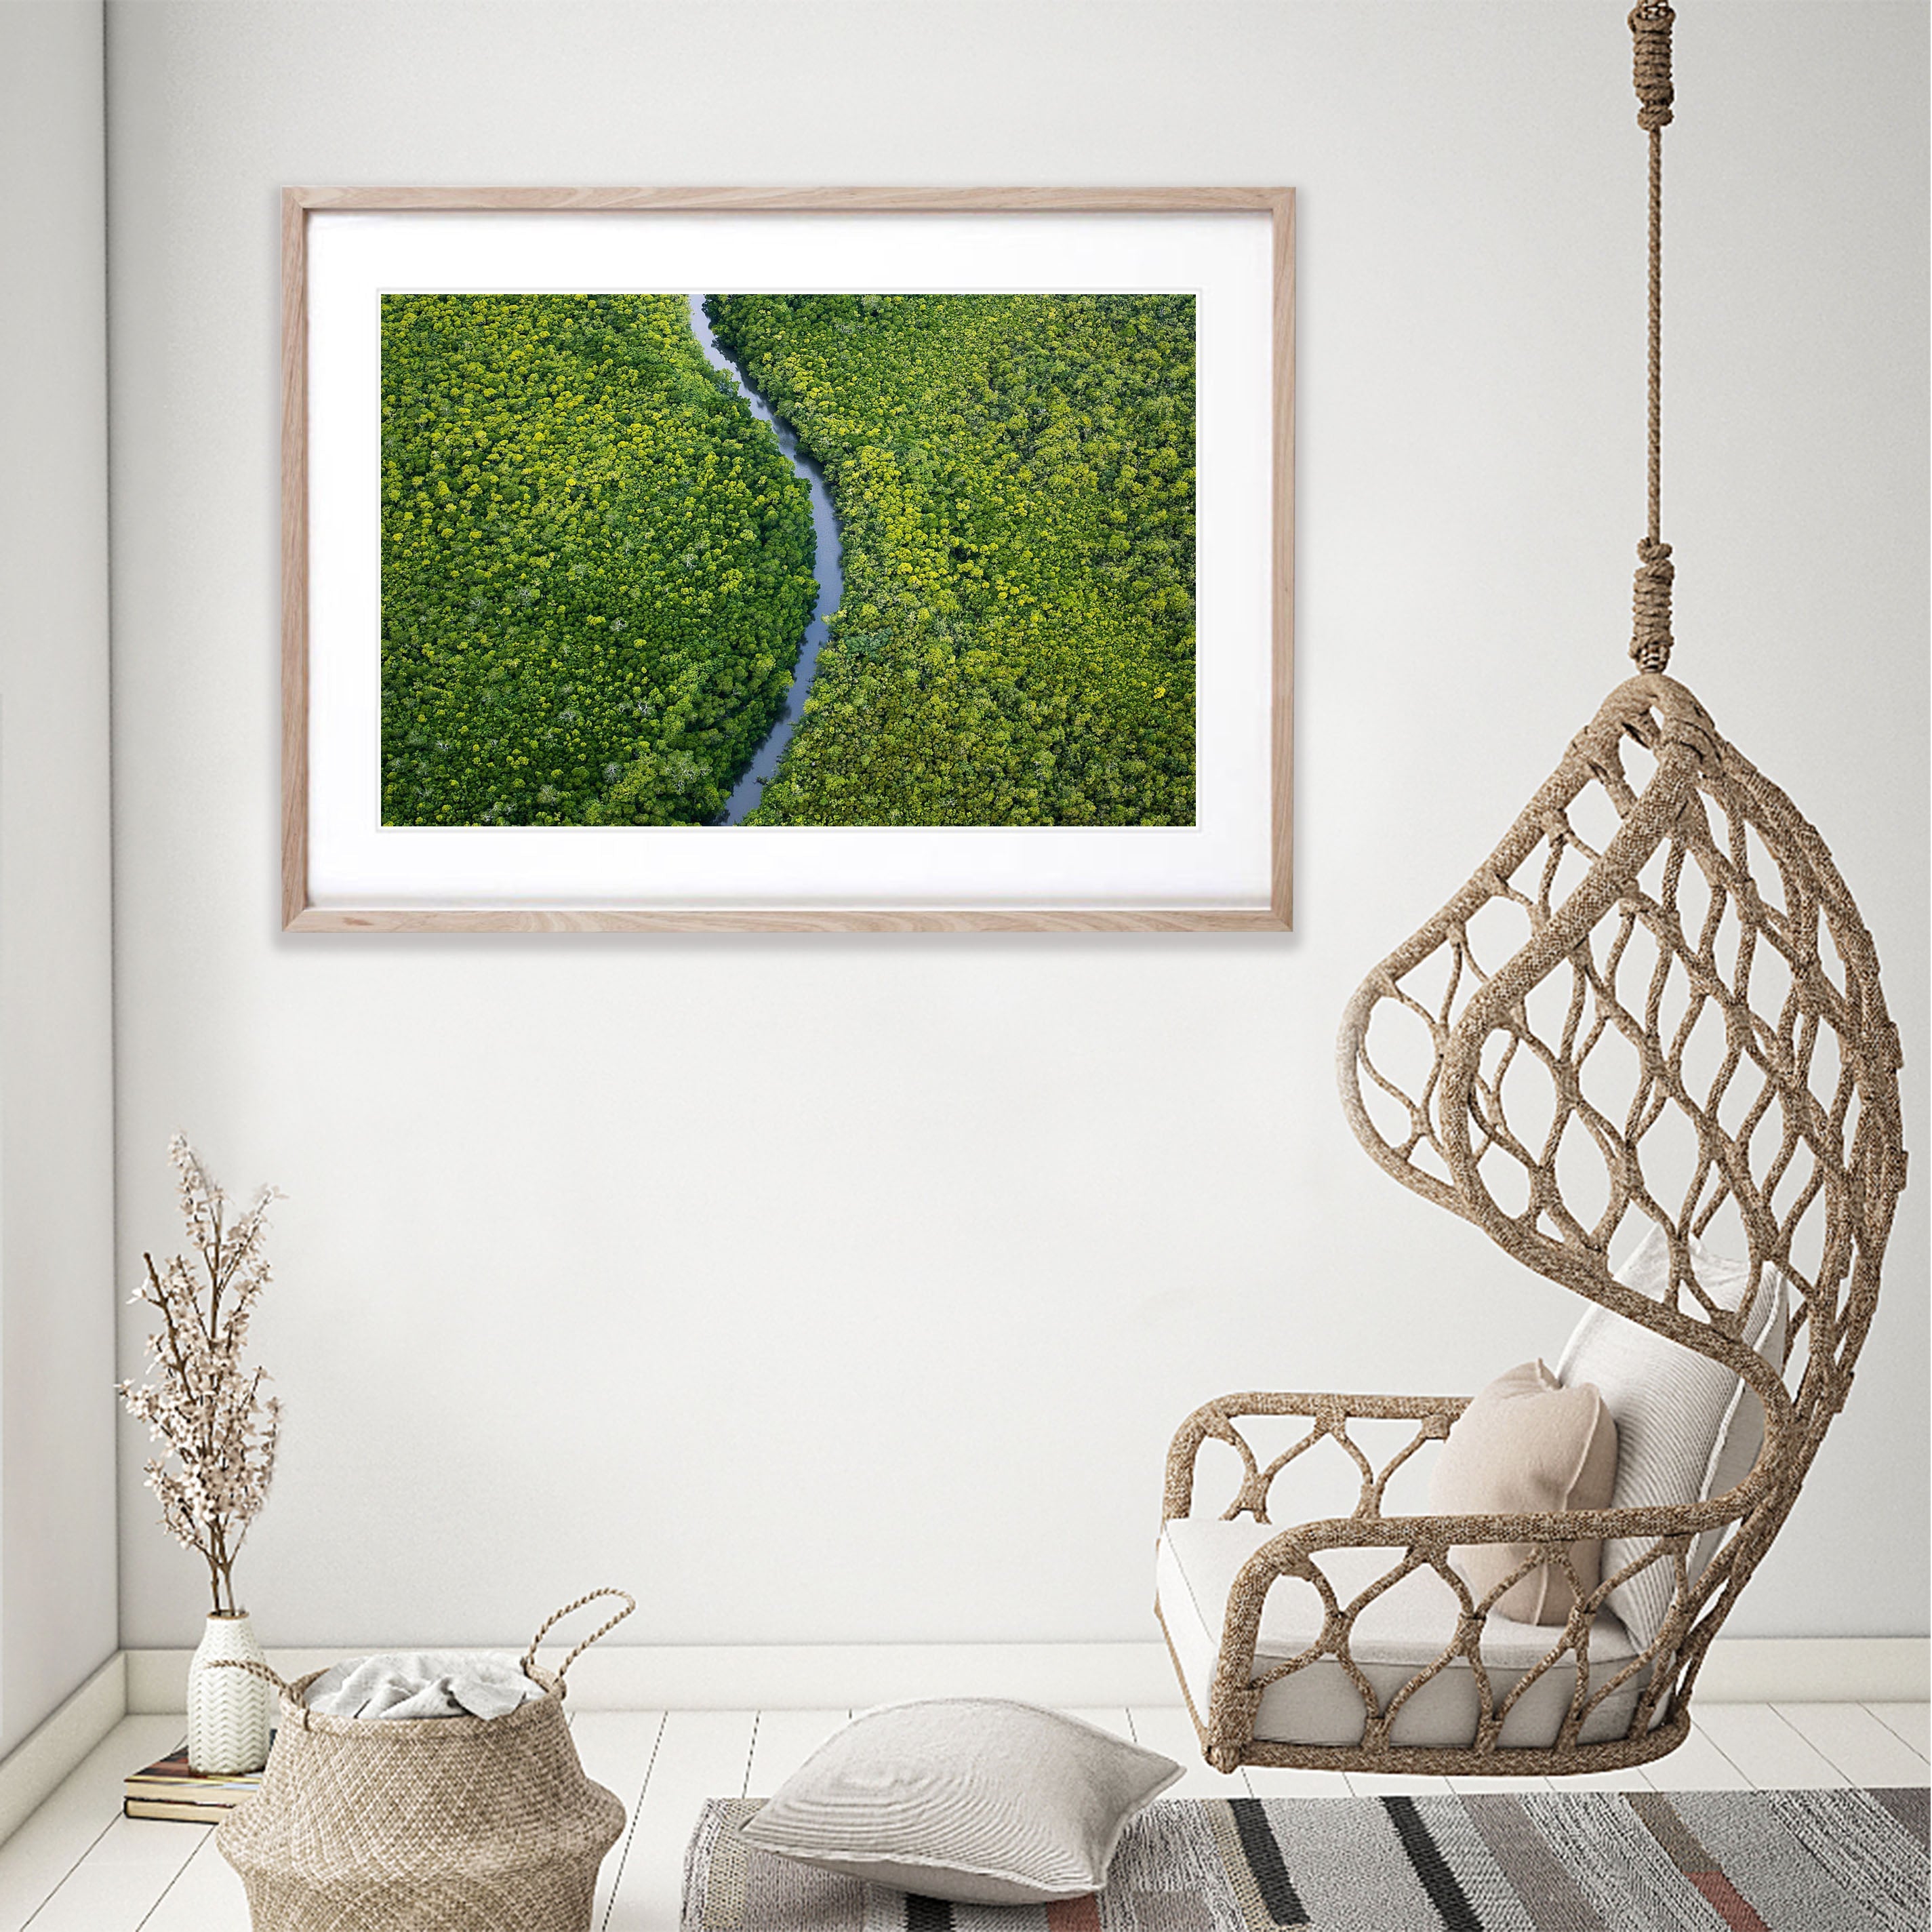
x=57, y=1503
x=848, y=1289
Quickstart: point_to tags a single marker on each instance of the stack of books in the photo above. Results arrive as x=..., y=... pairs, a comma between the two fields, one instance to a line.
x=170, y=1790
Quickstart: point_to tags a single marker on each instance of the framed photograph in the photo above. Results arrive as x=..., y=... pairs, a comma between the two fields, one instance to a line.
x=789, y=559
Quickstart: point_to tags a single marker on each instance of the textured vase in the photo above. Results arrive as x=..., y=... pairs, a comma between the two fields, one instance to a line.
x=229, y=1712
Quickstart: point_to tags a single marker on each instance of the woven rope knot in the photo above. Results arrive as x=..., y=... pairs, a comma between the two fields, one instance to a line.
x=1650, y=25
x=1651, y=639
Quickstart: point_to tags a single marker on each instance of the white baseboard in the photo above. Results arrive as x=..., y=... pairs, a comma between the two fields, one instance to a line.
x=158, y=1679
x=768, y=1677
x=39, y=1765
x=1816, y=1670
x=771, y=1677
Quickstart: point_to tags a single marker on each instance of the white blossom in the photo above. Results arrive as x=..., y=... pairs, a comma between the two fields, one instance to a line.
x=219, y=1430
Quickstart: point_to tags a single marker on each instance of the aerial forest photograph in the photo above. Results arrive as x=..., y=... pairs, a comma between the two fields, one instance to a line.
x=757, y=560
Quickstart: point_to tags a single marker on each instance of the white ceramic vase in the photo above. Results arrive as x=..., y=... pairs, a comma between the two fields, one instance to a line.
x=229, y=1712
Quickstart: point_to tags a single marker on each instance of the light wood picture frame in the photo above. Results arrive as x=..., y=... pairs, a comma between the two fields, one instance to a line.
x=345, y=249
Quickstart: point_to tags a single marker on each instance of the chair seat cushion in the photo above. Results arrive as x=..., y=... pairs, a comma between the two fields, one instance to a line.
x=1404, y=1630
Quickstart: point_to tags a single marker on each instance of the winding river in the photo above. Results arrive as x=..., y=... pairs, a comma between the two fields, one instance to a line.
x=829, y=568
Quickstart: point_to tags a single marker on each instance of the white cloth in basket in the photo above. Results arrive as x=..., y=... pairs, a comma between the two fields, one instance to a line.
x=422, y=1684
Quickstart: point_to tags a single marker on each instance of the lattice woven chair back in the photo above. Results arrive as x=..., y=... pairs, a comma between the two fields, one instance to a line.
x=1652, y=1019
x=1656, y=1003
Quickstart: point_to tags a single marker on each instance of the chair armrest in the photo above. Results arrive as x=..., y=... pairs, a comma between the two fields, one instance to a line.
x=1330, y=1415
x=1429, y=1540
x=1417, y=1541
x=1550, y=1526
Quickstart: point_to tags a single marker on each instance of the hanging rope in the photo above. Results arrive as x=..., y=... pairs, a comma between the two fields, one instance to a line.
x=1650, y=637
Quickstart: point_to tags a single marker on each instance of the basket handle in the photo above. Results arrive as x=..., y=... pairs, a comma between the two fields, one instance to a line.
x=630, y=1603
x=253, y=1670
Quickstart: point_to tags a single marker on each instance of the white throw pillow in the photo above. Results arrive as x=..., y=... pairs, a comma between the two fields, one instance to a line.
x=973, y=1800
x=1687, y=1429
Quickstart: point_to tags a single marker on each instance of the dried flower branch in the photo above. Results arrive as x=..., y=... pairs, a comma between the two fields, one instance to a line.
x=220, y=1430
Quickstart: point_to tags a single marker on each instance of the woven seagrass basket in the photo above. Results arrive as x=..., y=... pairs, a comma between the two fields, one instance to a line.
x=435, y=1824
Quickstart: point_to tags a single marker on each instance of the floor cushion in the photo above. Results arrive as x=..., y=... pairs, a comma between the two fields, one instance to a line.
x=976, y=1800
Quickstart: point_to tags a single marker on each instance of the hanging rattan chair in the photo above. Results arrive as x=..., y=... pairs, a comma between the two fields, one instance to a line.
x=1701, y=1002
x=1653, y=1011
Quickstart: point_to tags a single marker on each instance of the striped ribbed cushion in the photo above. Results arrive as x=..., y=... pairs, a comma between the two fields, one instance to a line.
x=1686, y=1427
x=973, y=1800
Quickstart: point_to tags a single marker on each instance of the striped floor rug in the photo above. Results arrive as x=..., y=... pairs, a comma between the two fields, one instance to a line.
x=1565, y=1862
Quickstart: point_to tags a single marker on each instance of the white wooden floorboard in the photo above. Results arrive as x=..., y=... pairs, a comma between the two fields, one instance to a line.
x=1912, y=1722
x=1766, y=1749
x=616, y=1748
x=1854, y=1743
x=1277, y=1780
x=1167, y=1728
x=784, y=1741
x=58, y=1835
x=1632, y=1778
x=1696, y=1765
x=702, y=1754
x=126, y=1870
x=1479, y=1787
x=1396, y=1784
x=205, y=1896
